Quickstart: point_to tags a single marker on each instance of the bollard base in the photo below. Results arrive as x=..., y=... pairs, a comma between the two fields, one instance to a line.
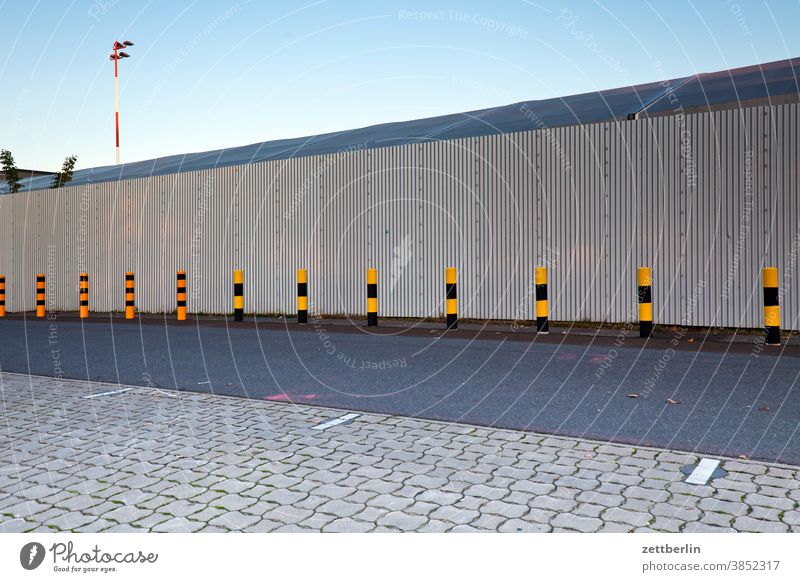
x=773, y=336
x=645, y=329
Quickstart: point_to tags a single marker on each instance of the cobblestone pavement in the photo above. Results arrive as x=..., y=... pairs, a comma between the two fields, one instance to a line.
x=151, y=460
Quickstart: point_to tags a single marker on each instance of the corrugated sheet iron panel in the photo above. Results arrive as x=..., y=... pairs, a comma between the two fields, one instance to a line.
x=706, y=200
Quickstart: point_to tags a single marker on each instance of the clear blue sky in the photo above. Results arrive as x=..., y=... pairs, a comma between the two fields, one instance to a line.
x=205, y=75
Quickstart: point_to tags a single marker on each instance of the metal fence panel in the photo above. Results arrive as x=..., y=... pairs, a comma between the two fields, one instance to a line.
x=705, y=199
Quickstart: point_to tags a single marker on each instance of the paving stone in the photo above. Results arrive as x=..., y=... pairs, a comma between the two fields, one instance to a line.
x=454, y=515
x=764, y=501
x=744, y=467
x=232, y=502
x=70, y=521
x=783, y=472
x=402, y=521
x=124, y=528
x=576, y=522
x=341, y=508
x=717, y=519
x=634, y=518
x=765, y=513
x=577, y=482
x=748, y=524
x=211, y=463
x=126, y=514
x=151, y=520
x=508, y=510
x=589, y=510
x=24, y=509
x=669, y=510
x=647, y=494
x=738, y=486
x=98, y=525
x=486, y=492
x=390, y=502
x=553, y=503
x=604, y=499
x=666, y=524
x=730, y=507
x=288, y=514
x=346, y=524
x=488, y=522
x=183, y=491
x=177, y=525
x=439, y=497
x=282, y=497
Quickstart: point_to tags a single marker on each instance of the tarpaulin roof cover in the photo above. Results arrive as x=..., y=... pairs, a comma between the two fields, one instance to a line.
x=703, y=90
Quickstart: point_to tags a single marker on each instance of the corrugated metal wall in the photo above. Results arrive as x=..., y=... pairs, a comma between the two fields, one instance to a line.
x=705, y=199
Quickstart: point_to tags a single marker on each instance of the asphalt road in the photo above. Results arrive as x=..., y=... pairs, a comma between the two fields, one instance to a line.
x=731, y=399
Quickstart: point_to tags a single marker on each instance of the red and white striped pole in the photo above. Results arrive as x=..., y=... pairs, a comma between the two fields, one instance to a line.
x=116, y=96
x=115, y=56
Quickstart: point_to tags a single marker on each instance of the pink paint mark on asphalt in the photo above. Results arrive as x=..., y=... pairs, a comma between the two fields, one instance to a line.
x=289, y=397
x=567, y=357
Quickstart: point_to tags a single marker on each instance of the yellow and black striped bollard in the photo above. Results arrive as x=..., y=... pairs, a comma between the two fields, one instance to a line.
x=645, y=302
x=2, y=296
x=238, y=295
x=451, y=295
x=372, y=297
x=181, y=298
x=542, y=308
x=302, y=296
x=83, y=295
x=40, y=289
x=130, y=296
x=772, y=310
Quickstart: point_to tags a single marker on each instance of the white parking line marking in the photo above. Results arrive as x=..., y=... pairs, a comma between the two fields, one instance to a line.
x=110, y=393
x=702, y=473
x=336, y=421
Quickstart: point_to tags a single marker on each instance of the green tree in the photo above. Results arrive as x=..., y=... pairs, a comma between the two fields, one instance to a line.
x=65, y=175
x=10, y=171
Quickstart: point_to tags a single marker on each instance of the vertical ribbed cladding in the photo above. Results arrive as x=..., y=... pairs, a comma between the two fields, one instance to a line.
x=254, y=223
x=7, y=204
x=502, y=286
x=621, y=247
x=689, y=225
x=393, y=211
x=558, y=179
x=217, y=240
x=636, y=211
x=26, y=241
x=785, y=150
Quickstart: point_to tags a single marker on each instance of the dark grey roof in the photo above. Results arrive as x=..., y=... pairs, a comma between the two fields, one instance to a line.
x=707, y=90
